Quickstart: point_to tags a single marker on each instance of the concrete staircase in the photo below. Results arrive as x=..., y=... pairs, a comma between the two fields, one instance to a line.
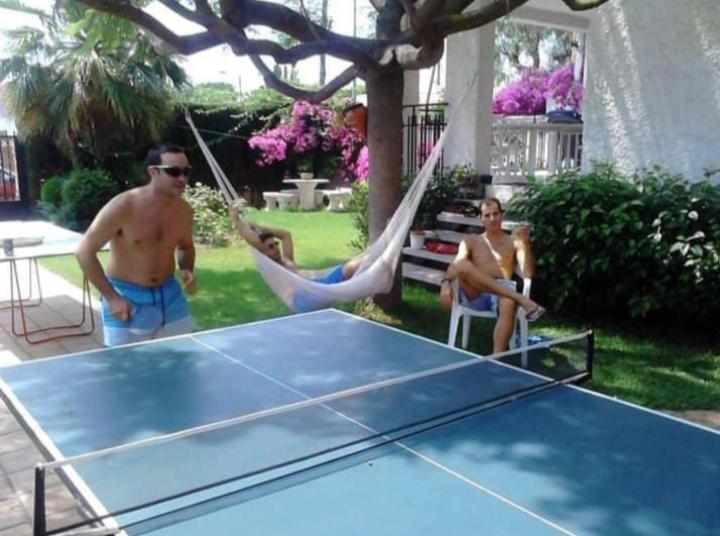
x=428, y=267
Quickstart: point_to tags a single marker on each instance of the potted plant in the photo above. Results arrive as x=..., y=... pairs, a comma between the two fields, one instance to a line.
x=417, y=238
x=468, y=181
x=305, y=169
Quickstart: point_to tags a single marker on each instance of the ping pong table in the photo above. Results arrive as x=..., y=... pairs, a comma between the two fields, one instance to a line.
x=381, y=432
x=29, y=241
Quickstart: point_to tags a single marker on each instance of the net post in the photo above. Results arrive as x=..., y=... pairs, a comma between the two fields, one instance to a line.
x=39, y=518
x=590, y=353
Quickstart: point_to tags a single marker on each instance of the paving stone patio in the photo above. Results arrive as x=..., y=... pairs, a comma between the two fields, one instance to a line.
x=18, y=455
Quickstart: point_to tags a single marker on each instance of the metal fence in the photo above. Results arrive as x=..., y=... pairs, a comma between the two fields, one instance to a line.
x=13, y=180
x=521, y=146
x=422, y=126
x=9, y=185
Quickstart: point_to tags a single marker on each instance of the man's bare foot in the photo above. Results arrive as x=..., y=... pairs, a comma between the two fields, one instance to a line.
x=446, y=297
x=535, y=314
x=533, y=310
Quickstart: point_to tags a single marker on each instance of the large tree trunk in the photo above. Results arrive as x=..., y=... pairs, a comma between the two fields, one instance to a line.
x=384, y=94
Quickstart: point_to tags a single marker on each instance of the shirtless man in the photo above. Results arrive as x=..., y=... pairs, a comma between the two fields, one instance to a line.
x=146, y=227
x=484, y=266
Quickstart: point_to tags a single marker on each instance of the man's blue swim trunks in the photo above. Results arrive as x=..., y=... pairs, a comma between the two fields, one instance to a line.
x=486, y=301
x=159, y=311
x=332, y=276
x=304, y=301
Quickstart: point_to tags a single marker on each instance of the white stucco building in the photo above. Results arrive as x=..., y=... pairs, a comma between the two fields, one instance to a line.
x=652, y=93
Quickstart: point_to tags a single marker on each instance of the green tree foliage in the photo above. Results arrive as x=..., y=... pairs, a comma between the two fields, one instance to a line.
x=90, y=81
x=212, y=94
x=518, y=46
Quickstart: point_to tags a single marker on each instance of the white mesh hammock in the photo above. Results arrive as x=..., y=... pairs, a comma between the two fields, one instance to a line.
x=377, y=271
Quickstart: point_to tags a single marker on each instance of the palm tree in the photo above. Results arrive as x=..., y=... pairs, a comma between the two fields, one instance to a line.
x=92, y=82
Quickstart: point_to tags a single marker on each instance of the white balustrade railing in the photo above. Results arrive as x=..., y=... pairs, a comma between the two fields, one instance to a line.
x=524, y=146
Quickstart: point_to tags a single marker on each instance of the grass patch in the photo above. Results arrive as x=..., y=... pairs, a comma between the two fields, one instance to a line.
x=666, y=369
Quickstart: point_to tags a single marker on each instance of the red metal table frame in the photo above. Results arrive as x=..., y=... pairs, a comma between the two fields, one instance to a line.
x=18, y=305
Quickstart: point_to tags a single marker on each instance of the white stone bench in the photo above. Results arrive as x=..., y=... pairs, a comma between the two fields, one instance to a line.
x=280, y=200
x=339, y=199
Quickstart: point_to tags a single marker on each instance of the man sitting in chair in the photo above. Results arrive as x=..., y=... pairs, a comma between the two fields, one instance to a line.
x=484, y=266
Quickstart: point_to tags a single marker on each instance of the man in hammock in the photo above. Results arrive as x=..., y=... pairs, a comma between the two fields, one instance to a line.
x=265, y=240
x=484, y=266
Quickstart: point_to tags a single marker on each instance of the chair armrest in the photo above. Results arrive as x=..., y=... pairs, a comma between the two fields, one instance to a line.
x=455, y=290
x=527, y=281
x=527, y=284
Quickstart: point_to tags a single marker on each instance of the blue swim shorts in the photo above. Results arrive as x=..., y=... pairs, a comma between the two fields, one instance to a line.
x=486, y=301
x=304, y=302
x=157, y=312
x=332, y=276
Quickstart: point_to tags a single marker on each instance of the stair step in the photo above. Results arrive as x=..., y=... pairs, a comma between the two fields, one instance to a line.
x=449, y=236
x=459, y=219
x=422, y=274
x=425, y=254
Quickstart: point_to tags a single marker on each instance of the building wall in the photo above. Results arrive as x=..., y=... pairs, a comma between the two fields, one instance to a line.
x=653, y=85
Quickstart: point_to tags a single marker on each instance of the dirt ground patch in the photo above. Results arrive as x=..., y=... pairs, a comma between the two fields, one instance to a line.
x=710, y=418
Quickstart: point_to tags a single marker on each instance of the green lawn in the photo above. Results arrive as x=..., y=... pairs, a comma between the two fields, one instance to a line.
x=661, y=369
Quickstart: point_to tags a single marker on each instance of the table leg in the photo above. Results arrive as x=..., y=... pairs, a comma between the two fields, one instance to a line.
x=19, y=306
x=307, y=196
x=31, y=263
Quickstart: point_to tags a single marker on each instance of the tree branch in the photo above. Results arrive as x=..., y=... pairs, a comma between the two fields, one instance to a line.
x=429, y=10
x=220, y=31
x=285, y=20
x=582, y=5
x=320, y=95
x=187, y=45
x=453, y=23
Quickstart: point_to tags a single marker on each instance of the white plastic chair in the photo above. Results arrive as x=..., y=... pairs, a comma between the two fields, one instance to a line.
x=460, y=309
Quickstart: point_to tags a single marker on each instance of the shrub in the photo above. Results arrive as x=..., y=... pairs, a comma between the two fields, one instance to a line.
x=634, y=246
x=361, y=215
x=440, y=193
x=211, y=222
x=84, y=193
x=51, y=191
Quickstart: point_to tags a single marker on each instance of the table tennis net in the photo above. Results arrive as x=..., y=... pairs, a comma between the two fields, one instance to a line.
x=164, y=480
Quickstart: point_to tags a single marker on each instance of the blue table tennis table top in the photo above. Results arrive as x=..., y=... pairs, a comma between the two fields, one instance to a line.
x=563, y=461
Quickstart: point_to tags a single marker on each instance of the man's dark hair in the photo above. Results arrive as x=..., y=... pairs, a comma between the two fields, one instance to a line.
x=264, y=235
x=154, y=157
x=490, y=201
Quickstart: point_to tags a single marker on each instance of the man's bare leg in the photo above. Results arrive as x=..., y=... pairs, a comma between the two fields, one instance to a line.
x=504, y=325
x=474, y=280
x=351, y=266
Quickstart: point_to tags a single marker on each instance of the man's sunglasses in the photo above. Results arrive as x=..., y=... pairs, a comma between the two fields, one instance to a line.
x=175, y=171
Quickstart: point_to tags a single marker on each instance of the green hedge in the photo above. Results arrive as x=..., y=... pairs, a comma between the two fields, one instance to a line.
x=612, y=245
x=73, y=200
